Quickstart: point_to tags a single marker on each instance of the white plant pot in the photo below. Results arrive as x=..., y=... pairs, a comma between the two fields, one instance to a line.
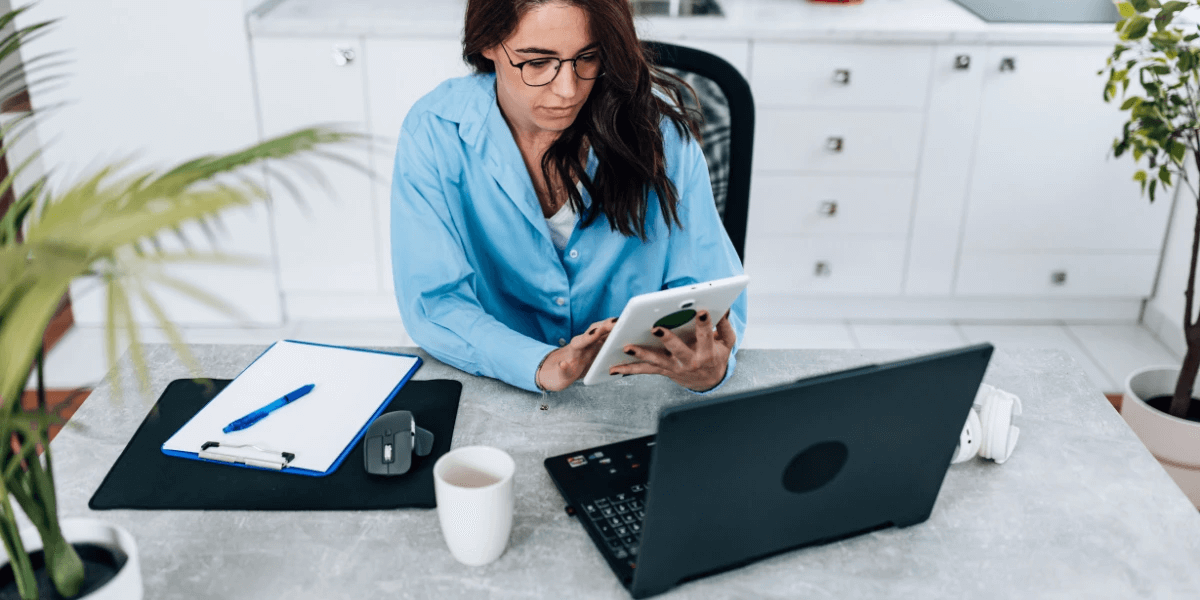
x=127, y=583
x=1173, y=441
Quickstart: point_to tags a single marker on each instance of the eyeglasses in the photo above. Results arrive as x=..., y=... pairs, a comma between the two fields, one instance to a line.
x=541, y=71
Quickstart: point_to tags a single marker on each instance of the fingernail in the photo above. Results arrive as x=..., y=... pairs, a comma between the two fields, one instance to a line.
x=704, y=317
x=629, y=352
x=658, y=333
x=591, y=332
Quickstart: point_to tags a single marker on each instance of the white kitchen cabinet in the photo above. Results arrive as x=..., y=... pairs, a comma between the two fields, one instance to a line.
x=1042, y=177
x=947, y=144
x=918, y=173
x=400, y=72
x=328, y=243
x=850, y=265
x=837, y=141
x=1032, y=274
x=789, y=205
x=1049, y=211
x=841, y=75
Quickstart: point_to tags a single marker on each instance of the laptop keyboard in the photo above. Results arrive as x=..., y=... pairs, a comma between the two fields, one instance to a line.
x=618, y=518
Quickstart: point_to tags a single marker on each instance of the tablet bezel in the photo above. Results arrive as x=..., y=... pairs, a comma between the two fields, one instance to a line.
x=643, y=311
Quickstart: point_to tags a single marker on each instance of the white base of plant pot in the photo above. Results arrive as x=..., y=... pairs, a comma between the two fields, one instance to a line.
x=127, y=583
x=1173, y=441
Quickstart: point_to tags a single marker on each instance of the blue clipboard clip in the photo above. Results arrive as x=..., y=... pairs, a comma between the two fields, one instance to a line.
x=246, y=454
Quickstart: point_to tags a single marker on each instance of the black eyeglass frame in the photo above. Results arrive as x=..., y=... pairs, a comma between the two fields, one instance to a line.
x=574, y=66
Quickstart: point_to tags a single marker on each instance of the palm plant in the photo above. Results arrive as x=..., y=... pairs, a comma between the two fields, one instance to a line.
x=109, y=227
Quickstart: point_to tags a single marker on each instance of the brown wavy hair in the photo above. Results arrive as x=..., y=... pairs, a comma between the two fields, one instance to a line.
x=620, y=119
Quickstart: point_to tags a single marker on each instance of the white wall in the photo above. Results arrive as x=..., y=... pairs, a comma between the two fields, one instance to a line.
x=164, y=81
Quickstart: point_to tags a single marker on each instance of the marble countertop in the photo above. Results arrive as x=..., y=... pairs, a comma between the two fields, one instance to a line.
x=911, y=21
x=1080, y=510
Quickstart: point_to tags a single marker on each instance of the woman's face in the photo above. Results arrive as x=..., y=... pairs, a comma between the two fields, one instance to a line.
x=555, y=30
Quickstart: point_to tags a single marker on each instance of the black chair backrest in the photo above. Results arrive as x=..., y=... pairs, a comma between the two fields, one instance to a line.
x=728, y=131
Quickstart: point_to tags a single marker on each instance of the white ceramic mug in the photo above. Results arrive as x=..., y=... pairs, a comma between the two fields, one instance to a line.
x=474, y=491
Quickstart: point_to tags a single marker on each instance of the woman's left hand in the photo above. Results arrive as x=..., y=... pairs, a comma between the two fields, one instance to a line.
x=698, y=367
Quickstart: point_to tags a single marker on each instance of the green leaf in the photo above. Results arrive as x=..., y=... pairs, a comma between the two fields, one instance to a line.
x=1139, y=176
x=1153, y=183
x=1130, y=103
x=1160, y=70
x=1164, y=174
x=1186, y=61
x=1140, y=5
x=1136, y=28
x=1177, y=150
x=1126, y=9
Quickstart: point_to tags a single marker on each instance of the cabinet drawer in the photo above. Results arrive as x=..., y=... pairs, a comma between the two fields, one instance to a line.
x=825, y=204
x=841, y=75
x=837, y=141
x=1028, y=274
x=863, y=265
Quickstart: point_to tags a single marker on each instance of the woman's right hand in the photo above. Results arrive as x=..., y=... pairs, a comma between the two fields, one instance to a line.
x=567, y=364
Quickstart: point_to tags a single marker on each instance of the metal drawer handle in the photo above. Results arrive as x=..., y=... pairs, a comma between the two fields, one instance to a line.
x=1008, y=64
x=343, y=55
x=822, y=269
x=828, y=208
x=841, y=76
x=1058, y=278
x=962, y=62
x=834, y=144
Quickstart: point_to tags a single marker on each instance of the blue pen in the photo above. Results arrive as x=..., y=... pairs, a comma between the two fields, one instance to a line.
x=261, y=413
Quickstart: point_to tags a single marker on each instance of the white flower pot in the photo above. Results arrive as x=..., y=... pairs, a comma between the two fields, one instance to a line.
x=1173, y=441
x=127, y=583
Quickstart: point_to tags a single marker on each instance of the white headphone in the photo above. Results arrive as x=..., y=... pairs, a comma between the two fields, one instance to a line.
x=989, y=431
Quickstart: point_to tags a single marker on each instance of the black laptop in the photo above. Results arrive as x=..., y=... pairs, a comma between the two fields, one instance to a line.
x=730, y=480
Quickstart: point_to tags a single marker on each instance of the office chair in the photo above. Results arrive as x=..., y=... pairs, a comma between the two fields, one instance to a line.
x=727, y=131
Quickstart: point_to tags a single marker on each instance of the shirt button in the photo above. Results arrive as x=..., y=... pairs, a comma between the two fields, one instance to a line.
x=573, y=254
x=560, y=301
x=562, y=341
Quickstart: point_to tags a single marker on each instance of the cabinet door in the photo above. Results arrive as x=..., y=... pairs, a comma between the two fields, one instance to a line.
x=327, y=239
x=400, y=72
x=1043, y=178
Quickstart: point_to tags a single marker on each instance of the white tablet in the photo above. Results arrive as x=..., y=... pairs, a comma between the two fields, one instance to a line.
x=674, y=309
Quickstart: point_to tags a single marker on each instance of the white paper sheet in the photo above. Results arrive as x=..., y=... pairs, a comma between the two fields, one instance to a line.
x=349, y=387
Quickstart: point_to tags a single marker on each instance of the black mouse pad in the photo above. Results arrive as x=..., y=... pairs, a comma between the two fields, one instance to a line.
x=145, y=478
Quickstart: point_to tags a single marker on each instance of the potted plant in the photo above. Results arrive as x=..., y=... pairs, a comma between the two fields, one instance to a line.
x=106, y=227
x=1163, y=134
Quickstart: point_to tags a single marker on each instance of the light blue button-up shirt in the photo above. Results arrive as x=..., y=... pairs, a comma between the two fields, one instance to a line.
x=480, y=284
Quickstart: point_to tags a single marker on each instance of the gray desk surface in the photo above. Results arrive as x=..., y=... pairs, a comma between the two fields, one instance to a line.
x=1081, y=510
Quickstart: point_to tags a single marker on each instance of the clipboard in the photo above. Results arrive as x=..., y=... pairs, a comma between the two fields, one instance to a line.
x=310, y=436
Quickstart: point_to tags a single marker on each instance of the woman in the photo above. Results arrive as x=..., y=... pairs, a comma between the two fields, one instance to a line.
x=533, y=199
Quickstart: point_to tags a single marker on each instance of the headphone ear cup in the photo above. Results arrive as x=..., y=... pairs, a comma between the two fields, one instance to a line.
x=970, y=440
x=999, y=434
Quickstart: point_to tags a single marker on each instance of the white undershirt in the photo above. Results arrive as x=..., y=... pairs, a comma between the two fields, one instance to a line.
x=562, y=223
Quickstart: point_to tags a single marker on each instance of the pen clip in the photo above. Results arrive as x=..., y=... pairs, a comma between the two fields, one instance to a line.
x=246, y=454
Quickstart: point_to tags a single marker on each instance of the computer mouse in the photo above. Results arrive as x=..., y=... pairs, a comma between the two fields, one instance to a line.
x=390, y=442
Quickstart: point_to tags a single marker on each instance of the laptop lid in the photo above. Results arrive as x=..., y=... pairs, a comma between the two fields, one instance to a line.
x=739, y=478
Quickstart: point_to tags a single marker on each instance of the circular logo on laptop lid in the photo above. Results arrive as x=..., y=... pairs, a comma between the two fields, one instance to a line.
x=814, y=467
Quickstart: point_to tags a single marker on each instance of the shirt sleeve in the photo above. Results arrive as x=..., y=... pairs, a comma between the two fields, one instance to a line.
x=701, y=250
x=435, y=285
